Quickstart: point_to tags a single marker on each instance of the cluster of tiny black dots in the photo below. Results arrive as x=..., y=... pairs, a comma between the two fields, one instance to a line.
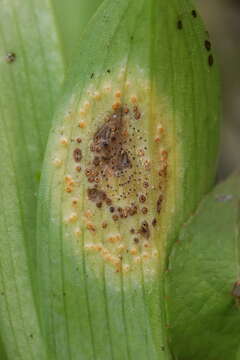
x=116, y=157
x=207, y=43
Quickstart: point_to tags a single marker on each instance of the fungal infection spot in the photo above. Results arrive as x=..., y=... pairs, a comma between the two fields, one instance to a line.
x=133, y=99
x=208, y=45
x=210, y=60
x=63, y=141
x=194, y=13
x=10, y=57
x=82, y=124
x=91, y=227
x=77, y=155
x=179, y=25
x=116, y=174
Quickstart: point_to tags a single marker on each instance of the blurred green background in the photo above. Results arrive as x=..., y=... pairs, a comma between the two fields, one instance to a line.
x=222, y=18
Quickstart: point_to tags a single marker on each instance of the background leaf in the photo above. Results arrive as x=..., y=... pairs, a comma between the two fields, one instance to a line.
x=203, y=268
x=72, y=18
x=31, y=73
x=90, y=307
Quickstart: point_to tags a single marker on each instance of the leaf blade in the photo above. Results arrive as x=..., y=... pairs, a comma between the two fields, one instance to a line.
x=204, y=267
x=31, y=72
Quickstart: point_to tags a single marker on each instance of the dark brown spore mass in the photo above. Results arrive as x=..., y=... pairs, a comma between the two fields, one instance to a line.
x=108, y=144
x=159, y=204
x=77, y=155
x=210, y=60
x=207, y=45
x=96, y=195
x=10, y=57
x=154, y=222
x=144, y=230
x=179, y=24
x=194, y=13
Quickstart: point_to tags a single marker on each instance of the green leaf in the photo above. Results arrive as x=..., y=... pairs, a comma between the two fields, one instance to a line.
x=72, y=17
x=139, y=120
x=203, y=269
x=31, y=73
x=3, y=355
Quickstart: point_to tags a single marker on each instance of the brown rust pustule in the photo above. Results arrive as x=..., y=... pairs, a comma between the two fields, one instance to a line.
x=144, y=230
x=159, y=203
x=96, y=195
x=77, y=155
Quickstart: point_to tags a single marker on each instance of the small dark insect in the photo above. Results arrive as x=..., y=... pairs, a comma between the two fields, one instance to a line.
x=108, y=71
x=179, y=24
x=194, y=13
x=210, y=60
x=208, y=45
x=77, y=155
x=10, y=57
x=92, y=76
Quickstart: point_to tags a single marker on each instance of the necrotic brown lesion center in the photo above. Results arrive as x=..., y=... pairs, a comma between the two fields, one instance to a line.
x=108, y=144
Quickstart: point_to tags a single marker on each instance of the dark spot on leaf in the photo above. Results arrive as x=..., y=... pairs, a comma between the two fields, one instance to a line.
x=142, y=198
x=115, y=217
x=154, y=222
x=210, y=60
x=10, y=57
x=77, y=155
x=208, y=45
x=144, y=230
x=159, y=203
x=96, y=195
x=194, y=13
x=179, y=24
x=108, y=144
